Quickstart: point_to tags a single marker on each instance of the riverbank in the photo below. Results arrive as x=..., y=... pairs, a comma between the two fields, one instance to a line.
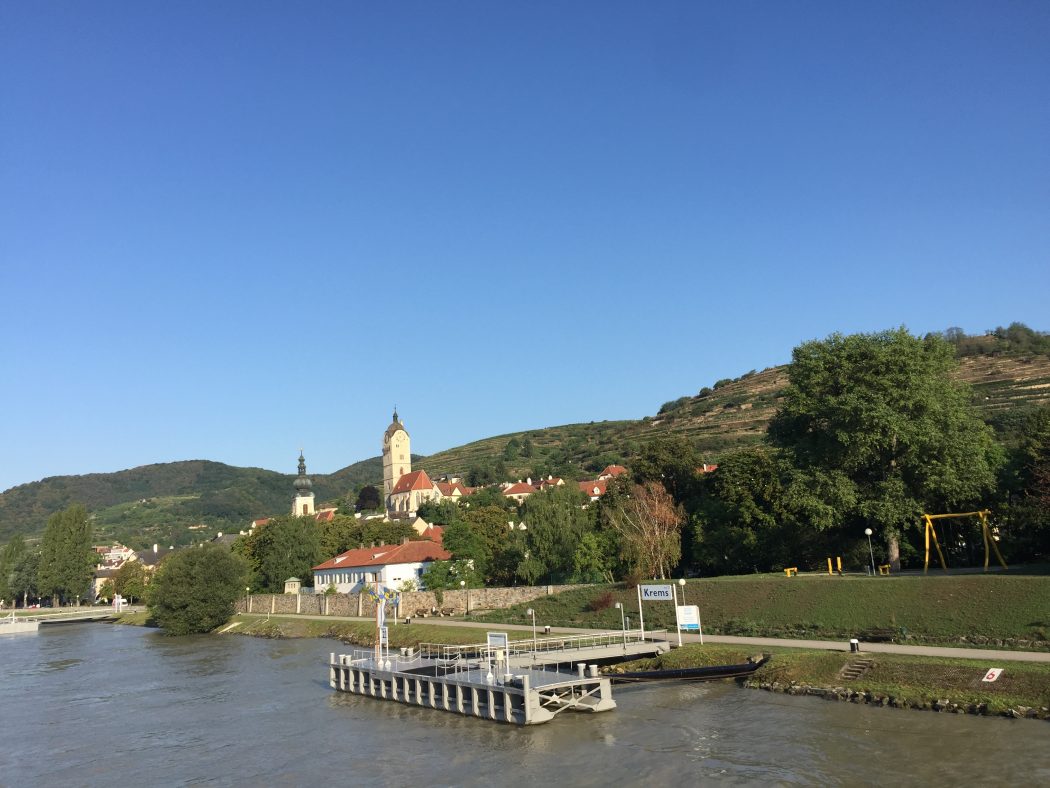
x=997, y=610
x=893, y=680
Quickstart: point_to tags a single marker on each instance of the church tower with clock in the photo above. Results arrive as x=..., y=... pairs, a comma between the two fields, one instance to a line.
x=397, y=455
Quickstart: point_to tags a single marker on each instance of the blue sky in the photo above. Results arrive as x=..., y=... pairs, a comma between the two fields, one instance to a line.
x=229, y=230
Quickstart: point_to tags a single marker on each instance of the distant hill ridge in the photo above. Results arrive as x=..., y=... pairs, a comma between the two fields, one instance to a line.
x=728, y=414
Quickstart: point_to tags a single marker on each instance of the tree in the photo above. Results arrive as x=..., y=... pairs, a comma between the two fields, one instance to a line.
x=23, y=577
x=105, y=591
x=880, y=431
x=194, y=589
x=285, y=547
x=130, y=581
x=446, y=575
x=556, y=522
x=67, y=559
x=368, y=499
x=650, y=527
x=745, y=521
x=9, y=558
x=672, y=461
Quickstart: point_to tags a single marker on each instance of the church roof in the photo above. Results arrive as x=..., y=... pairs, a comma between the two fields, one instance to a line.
x=417, y=480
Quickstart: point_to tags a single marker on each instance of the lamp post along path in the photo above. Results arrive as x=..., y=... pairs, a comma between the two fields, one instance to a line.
x=867, y=532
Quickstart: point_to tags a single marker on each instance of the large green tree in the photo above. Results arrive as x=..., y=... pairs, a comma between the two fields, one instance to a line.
x=23, y=577
x=879, y=432
x=195, y=589
x=67, y=559
x=556, y=522
x=285, y=547
x=9, y=558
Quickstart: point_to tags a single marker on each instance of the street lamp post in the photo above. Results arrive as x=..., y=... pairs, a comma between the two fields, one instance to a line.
x=462, y=585
x=867, y=533
x=623, y=624
x=531, y=612
x=247, y=599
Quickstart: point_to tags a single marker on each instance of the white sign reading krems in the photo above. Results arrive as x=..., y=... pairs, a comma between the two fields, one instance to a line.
x=656, y=593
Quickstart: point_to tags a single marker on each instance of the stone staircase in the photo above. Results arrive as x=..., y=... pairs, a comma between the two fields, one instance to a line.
x=855, y=669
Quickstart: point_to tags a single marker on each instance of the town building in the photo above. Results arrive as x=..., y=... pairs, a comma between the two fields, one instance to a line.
x=392, y=566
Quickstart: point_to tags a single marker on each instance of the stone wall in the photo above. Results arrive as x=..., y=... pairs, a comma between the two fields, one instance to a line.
x=460, y=601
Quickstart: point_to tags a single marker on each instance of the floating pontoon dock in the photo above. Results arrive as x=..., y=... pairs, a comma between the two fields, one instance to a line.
x=599, y=648
x=493, y=690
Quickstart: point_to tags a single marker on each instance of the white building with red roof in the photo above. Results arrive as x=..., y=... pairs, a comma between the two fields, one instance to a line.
x=519, y=491
x=594, y=489
x=611, y=472
x=390, y=565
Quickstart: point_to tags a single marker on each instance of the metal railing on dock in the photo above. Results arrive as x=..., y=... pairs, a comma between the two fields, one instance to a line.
x=546, y=645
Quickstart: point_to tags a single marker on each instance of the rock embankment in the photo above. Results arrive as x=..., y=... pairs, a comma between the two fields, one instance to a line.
x=847, y=695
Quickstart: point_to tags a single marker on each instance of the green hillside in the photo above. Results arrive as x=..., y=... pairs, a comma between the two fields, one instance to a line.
x=1010, y=374
x=729, y=414
x=158, y=503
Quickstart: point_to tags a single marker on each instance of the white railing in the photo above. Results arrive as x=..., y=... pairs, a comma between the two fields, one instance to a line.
x=545, y=645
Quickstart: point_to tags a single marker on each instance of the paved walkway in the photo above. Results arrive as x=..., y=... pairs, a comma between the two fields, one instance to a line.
x=821, y=645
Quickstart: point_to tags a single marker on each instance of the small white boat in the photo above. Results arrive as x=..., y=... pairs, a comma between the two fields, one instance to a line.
x=12, y=625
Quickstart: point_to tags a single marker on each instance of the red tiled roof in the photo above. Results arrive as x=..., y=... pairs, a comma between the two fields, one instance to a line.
x=408, y=553
x=519, y=488
x=613, y=470
x=449, y=488
x=325, y=517
x=434, y=533
x=554, y=481
x=707, y=468
x=589, y=487
x=417, y=480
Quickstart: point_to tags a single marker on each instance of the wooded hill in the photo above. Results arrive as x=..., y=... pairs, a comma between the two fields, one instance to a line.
x=158, y=503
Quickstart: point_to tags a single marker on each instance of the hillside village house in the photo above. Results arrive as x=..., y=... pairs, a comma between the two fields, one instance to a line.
x=390, y=565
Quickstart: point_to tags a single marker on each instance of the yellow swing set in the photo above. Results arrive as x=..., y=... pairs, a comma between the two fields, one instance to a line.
x=982, y=516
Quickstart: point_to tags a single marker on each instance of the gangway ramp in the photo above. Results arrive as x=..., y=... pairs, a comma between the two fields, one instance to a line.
x=593, y=649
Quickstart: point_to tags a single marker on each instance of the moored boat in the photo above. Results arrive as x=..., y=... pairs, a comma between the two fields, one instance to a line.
x=705, y=673
x=12, y=625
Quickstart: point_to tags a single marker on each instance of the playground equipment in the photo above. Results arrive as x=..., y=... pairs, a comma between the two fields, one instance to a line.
x=982, y=517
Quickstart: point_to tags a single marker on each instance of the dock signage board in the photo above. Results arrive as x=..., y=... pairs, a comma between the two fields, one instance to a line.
x=992, y=674
x=656, y=593
x=689, y=618
x=384, y=636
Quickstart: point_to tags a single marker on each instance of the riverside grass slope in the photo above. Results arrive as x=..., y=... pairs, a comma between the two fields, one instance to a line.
x=993, y=610
x=897, y=680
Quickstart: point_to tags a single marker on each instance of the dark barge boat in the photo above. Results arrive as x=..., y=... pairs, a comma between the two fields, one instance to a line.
x=706, y=673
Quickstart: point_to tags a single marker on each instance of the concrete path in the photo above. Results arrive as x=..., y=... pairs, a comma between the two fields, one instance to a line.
x=820, y=645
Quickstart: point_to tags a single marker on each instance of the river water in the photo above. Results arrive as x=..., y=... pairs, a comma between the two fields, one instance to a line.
x=95, y=704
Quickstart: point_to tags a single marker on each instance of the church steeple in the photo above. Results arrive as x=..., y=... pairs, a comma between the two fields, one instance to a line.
x=397, y=453
x=304, y=494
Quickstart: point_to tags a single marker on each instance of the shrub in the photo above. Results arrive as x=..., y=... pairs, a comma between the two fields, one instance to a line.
x=195, y=589
x=603, y=601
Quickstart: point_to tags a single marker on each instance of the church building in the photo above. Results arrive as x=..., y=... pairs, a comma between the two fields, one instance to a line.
x=303, y=503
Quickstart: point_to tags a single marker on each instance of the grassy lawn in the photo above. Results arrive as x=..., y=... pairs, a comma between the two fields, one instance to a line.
x=995, y=609
x=360, y=633
x=912, y=681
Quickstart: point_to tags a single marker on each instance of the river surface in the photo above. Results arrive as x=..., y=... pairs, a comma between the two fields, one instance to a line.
x=97, y=704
